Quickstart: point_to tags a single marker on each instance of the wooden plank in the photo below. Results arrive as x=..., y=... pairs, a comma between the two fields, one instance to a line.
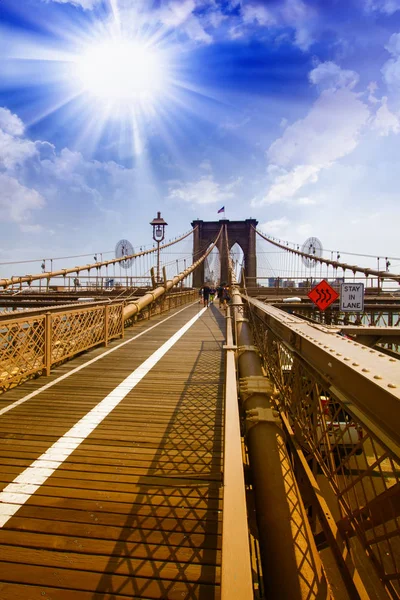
x=132, y=458
x=75, y=529
x=119, y=564
x=139, y=508
x=80, y=512
x=164, y=467
x=12, y=591
x=119, y=548
x=141, y=494
x=110, y=583
x=154, y=497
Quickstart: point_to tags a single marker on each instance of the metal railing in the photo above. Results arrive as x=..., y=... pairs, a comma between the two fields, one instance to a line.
x=32, y=344
x=339, y=402
x=236, y=575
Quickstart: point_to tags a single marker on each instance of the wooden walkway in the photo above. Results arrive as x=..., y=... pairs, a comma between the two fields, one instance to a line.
x=133, y=510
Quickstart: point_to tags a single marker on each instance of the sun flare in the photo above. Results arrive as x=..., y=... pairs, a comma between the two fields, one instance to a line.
x=121, y=70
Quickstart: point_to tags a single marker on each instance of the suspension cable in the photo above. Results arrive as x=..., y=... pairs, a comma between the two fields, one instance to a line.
x=49, y=274
x=334, y=263
x=134, y=307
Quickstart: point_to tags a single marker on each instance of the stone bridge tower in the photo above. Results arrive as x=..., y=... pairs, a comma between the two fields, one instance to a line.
x=240, y=232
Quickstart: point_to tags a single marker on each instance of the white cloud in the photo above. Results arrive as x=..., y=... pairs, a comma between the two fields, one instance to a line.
x=31, y=228
x=10, y=123
x=300, y=16
x=231, y=125
x=388, y=7
x=258, y=14
x=330, y=75
x=195, y=31
x=236, y=33
x=288, y=183
x=17, y=201
x=85, y=4
x=391, y=69
x=33, y=175
x=14, y=149
x=177, y=12
x=275, y=226
x=203, y=191
x=306, y=201
x=295, y=14
x=393, y=45
x=206, y=165
x=305, y=229
x=385, y=121
x=372, y=87
x=329, y=131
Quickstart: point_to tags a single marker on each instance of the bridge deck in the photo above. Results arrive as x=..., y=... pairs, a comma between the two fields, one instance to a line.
x=127, y=502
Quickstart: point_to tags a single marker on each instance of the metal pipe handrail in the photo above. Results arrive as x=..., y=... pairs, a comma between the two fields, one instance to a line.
x=236, y=576
x=288, y=575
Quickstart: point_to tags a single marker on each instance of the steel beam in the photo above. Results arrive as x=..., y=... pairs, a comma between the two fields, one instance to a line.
x=369, y=378
x=291, y=565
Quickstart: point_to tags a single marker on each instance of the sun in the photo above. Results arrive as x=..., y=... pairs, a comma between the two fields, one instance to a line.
x=120, y=70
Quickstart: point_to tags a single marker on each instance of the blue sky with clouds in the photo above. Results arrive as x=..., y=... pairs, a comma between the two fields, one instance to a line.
x=286, y=111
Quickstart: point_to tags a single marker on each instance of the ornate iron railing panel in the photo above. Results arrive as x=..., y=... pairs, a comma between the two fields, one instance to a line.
x=22, y=349
x=115, y=321
x=76, y=331
x=341, y=442
x=32, y=344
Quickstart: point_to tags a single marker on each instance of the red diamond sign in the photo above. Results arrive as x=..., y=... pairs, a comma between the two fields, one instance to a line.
x=323, y=295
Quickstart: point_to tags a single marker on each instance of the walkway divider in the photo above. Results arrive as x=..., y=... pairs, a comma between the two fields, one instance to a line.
x=236, y=578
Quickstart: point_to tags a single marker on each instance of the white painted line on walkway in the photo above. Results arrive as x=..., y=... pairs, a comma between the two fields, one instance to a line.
x=87, y=364
x=18, y=492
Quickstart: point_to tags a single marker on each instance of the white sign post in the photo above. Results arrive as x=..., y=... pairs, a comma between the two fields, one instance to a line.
x=352, y=297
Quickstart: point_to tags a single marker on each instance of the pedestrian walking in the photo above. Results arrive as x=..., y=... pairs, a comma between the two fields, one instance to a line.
x=206, y=294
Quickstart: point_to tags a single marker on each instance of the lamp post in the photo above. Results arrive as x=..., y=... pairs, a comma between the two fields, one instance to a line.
x=158, y=235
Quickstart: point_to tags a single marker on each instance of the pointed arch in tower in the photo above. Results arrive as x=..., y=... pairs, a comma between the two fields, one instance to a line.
x=240, y=232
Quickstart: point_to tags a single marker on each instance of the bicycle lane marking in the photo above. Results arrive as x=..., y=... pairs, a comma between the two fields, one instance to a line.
x=18, y=492
x=87, y=364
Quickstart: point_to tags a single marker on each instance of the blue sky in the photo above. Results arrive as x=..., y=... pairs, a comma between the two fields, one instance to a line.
x=111, y=110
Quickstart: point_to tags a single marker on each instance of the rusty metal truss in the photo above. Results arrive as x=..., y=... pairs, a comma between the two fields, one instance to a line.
x=339, y=402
